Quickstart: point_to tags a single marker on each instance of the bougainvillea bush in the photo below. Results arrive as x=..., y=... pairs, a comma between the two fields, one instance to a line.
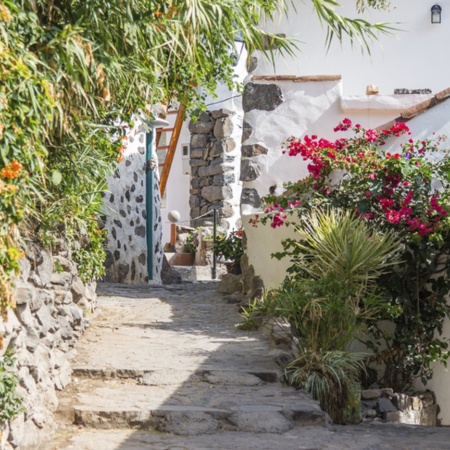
x=405, y=191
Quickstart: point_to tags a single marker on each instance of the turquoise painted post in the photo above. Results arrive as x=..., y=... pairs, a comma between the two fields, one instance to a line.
x=149, y=201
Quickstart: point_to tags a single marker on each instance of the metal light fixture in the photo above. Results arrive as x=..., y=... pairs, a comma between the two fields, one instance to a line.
x=436, y=11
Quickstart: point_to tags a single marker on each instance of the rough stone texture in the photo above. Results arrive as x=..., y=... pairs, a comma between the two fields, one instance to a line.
x=250, y=197
x=383, y=404
x=223, y=127
x=214, y=193
x=265, y=97
x=202, y=374
x=200, y=127
x=214, y=166
x=253, y=150
x=42, y=332
x=230, y=283
x=247, y=131
x=249, y=170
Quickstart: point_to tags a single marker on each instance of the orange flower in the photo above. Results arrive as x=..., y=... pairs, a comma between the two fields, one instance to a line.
x=120, y=158
x=12, y=170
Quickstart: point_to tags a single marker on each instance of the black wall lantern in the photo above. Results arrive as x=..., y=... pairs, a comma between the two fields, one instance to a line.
x=436, y=11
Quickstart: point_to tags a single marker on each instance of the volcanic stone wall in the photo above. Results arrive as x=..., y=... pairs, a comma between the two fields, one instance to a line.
x=52, y=312
x=215, y=161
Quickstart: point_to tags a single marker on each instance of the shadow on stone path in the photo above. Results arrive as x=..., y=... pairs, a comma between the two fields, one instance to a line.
x=163, y=367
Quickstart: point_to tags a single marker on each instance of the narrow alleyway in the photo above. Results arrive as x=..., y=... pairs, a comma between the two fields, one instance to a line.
x=163, y=367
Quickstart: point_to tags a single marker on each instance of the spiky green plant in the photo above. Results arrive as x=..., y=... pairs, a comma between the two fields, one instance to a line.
x=330, y=377
x=328, y=299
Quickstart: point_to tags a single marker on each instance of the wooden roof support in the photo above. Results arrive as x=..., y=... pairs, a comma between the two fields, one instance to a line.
x=172, y=149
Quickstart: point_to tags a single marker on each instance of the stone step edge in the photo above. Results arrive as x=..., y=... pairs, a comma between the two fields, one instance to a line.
x=159, y=419
x=269, y=376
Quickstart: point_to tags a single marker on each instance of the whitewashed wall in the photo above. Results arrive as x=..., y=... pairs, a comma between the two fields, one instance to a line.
x=414, y=58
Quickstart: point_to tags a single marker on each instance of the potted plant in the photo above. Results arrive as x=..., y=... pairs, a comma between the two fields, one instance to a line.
x=229, y=250
x=187, y=255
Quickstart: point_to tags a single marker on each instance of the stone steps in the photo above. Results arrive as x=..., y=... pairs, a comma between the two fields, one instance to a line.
x=163, y=377
x=192, y=407
x=170, y=362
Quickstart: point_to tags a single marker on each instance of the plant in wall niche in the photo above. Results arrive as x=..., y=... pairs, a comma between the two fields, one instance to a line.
x=230, y=249
x=328, y=297
x=404, y=192
x=10, y=400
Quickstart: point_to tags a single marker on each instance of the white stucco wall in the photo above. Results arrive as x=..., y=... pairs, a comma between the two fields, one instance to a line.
x=413, y=58
x=178, y=184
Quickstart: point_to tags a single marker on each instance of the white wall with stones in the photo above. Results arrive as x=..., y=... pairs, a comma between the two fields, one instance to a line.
x=126, y=214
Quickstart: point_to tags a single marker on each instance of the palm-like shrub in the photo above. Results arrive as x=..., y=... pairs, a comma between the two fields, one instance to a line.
x=327, y=300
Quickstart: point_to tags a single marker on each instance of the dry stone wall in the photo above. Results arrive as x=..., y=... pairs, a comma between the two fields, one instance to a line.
x=214, y=160
x=53, y=309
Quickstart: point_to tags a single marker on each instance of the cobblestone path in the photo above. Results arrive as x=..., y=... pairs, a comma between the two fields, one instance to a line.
x=164, y=367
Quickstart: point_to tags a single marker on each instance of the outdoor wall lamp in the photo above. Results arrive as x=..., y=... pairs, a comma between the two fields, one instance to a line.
x=436, y=11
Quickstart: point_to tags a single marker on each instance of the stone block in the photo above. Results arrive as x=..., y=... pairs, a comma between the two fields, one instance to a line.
x=25, y=293
x=222, y=146
x=223, y=112
x=47, y=296
x=25, y=268
x=214, y=193
x=197, y=162
x=46, y=321
x=223, y=127
x=201, y=127
x=247, y=131
x=198, y=140
x=250, y=170
x=64, y=328
x=61, y=279
x=220, y=180
x=250, y=197
x=194, y=201
x=24, y=315
x=45, y=269
x=370, y=394
x=78, y=289
x=197, y=153
x=230, y=283
x=385, y=405
x=64, y=263
x=265, y=97
x=140, y=231
x=31, y=340
x=211, y=170
x=253, y=150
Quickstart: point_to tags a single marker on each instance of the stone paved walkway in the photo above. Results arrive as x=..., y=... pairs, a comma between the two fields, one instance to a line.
x=165, y=368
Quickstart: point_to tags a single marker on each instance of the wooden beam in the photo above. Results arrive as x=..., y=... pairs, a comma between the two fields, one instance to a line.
x=172, y=149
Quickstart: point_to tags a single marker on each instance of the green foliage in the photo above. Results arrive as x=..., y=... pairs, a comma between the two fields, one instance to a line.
x=331, y=377
x=328, y=298
x=10, y=401
x=405, y=193
x=72, y=71
x=189, y=244
x=229, y=247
